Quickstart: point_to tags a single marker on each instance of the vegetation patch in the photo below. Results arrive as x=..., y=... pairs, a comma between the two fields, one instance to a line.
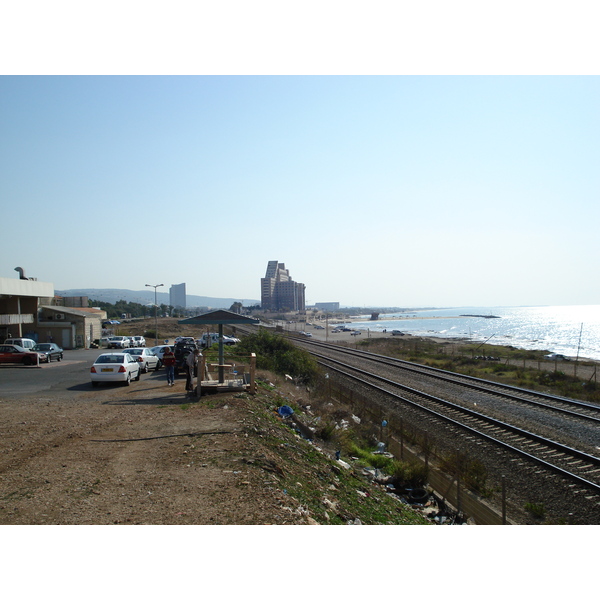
x=313, y=483
x=277, y=354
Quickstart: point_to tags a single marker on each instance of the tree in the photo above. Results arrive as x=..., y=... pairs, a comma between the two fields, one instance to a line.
x=236, y=307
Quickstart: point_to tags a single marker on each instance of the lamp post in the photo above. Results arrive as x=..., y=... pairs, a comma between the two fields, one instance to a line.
x=155, y=311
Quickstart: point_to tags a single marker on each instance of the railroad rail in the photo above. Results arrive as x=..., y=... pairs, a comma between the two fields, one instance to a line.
x=566, y=406
x=581, y=468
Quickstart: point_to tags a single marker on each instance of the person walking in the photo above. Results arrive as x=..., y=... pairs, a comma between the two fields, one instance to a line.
x=168, y=360
x=191, y=364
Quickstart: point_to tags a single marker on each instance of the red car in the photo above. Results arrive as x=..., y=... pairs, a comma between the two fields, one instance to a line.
x=9, y=353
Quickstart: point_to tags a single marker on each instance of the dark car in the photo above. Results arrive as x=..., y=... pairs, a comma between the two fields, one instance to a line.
x=50, y=350
x=181, y=351
x=9, y=353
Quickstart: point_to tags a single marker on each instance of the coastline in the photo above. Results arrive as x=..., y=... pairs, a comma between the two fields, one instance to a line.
x=585, y=371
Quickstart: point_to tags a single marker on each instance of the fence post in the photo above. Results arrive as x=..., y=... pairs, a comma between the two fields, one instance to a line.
x=503, y=500
x=401, y=439
x=252, y=374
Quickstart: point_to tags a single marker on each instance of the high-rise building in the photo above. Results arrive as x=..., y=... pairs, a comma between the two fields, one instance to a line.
x=177, y=295
x=278, y=291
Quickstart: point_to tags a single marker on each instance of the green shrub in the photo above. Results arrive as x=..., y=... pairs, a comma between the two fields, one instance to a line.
x=536, y=509
x=409, y=474
x=276, y=353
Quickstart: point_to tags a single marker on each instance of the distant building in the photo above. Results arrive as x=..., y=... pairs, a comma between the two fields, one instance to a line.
x=278, y=291
x=177, y=295
x=72, y=301
x=328, y=306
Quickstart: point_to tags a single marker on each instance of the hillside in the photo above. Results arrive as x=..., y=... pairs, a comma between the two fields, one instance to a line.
x=147, y=297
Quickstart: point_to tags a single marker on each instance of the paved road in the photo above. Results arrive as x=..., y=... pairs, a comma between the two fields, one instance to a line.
x=55, y=380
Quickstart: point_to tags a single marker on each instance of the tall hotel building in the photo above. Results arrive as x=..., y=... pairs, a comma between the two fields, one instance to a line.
x=177, y=295
x=278, y=291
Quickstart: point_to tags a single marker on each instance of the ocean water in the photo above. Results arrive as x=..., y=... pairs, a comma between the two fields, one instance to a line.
x=562, y=329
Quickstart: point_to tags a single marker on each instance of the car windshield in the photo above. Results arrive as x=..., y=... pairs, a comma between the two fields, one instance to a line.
x=133, y=351
x=42, y=347
x=110, y=358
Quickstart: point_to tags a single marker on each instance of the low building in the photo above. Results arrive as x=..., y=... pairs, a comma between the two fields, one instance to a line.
x=328, y=306
x=28, y=309
x=69, y=327
x=19, y=301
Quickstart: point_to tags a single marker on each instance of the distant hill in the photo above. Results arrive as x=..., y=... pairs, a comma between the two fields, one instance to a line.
x=147, y=297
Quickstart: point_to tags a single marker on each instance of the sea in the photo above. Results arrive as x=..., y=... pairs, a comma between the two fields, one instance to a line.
x=569, y=330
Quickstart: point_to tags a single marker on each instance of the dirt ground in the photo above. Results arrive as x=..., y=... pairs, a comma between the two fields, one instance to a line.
x=140, y=456
x=146, y=454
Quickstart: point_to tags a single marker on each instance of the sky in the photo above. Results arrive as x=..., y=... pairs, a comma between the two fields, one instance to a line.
x=407, y=188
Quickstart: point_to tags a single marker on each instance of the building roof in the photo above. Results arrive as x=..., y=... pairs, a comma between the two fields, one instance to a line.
x=218, y=317
x=76, y=312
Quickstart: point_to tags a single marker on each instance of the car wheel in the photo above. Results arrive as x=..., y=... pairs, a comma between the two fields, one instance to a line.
x=128, y=380
x=138, y=375
x=158, y=364
x=59, y=358
x=145, y=369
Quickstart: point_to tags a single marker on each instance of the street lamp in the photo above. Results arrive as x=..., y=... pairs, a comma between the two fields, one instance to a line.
x=155, y=311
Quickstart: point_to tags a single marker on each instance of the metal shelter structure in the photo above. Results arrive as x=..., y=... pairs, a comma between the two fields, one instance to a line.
x=220, y=318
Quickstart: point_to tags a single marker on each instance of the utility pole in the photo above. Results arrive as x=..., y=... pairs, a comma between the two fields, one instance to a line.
x=155, y=311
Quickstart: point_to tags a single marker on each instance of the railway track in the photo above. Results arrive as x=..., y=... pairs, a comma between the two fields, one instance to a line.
x=542, y=449
x=576, y=466
x=565, y=406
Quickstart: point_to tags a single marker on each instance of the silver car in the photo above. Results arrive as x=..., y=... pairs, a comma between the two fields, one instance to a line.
x=119, y=341
x=147, y=359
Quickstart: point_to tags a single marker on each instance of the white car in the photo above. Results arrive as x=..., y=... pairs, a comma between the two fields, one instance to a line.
x=140, y=341
x=147, y=359
x=119, y=341
x=115, y=366
x=160, y=350
x=213, y=338
x=556, y=357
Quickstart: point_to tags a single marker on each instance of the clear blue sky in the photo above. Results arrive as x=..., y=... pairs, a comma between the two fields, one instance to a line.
x=387, y=191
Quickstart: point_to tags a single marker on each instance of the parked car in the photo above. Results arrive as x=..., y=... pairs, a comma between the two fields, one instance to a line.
x=160, y=350
x=356, y=333
x=115, y=366
x=556, y=357
x=181, y=351
x=140, y=341
x=50, y=350
x=11, y=353
x=132, y=341
x=396, y=332
x=26, y=343
x=147, y=359
x=119, y=341
x=213, y=338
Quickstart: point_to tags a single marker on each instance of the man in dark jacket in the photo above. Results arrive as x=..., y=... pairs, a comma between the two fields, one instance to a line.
x=191, y=365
